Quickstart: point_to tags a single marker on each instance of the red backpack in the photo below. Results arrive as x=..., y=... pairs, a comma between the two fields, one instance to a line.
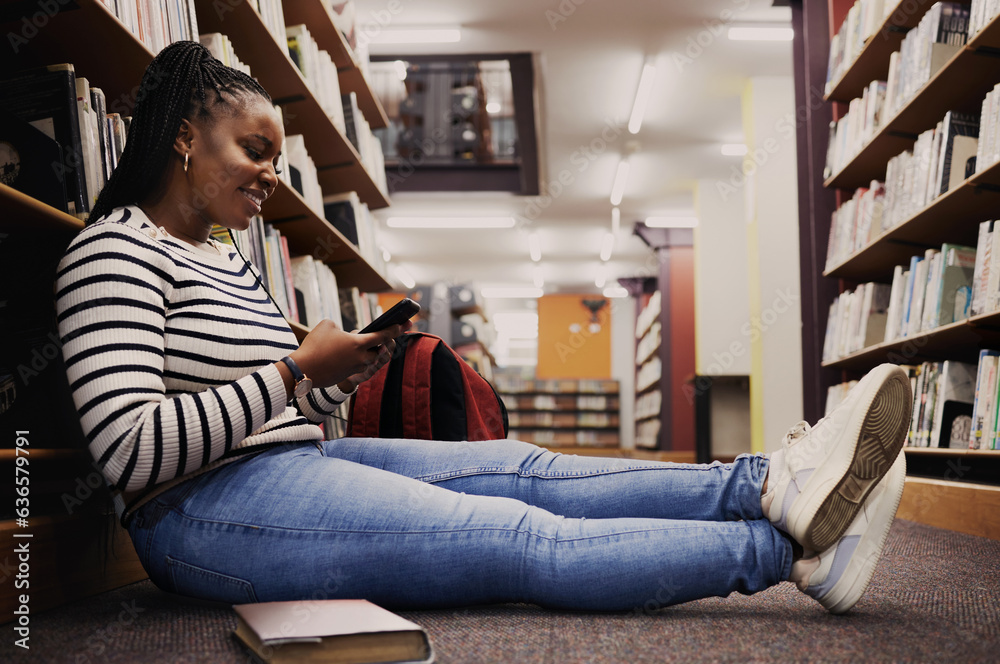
x=428, y=392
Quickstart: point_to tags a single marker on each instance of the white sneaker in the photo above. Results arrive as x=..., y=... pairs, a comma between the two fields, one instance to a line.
x=821, y=476
x=839, y=576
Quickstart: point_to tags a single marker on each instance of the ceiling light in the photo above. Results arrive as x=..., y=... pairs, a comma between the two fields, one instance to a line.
x=386, y=256
x=616, y=220
x=679, y=221
x=615, y=291
x=602, y=276
x=534, y=247
x=761, y=34
x=734, y=149
x=404, y=277
x=621, y=178
x=450, y=222
x=512, y=292
x=607, y=246
x=493, y=107
x=641, y=98
x=537, y=277
x=415, y=35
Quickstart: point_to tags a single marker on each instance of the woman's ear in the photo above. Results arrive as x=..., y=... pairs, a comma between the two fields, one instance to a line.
x=185, y=135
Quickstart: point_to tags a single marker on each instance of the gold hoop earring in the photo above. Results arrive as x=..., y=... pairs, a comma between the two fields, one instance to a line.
x=186, y=155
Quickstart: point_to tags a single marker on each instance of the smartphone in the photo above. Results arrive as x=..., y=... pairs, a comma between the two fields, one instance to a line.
x=400, y=312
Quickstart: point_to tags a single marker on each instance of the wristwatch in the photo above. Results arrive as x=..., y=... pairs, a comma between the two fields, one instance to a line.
x=303, y=383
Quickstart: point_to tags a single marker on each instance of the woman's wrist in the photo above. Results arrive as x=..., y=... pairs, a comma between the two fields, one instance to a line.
x=347, y=386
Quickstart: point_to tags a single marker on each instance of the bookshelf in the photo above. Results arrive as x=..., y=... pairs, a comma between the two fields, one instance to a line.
x=84, y=551
x=943, y=485
x=562, y=413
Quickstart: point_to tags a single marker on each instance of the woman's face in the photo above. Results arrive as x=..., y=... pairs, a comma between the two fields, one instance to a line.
x=232, y=163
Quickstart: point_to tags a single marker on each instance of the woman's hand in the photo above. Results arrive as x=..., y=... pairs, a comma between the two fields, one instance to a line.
x=328, y=355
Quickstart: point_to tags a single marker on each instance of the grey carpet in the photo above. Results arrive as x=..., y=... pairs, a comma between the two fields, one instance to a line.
x=934, y=597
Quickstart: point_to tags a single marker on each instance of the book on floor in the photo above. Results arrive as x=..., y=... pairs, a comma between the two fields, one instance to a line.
x=344, y=631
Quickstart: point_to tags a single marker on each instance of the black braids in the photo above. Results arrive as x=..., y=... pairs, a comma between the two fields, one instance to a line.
x=175, y=85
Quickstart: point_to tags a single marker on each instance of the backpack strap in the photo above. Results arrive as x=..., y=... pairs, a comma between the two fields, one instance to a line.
x=416, y=389
x=363, y=417
x=478, y=393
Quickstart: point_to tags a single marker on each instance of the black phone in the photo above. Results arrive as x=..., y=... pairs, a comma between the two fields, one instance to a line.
x=398, y=313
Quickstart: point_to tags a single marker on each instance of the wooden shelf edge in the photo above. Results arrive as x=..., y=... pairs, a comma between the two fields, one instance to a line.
x=948, y=452
x=23, y=212
x=973, y=509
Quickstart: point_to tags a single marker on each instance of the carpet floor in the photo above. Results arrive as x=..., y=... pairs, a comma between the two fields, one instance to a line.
x=935, y=596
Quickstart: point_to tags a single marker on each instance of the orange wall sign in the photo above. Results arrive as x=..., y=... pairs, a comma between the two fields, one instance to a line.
x=574, y=336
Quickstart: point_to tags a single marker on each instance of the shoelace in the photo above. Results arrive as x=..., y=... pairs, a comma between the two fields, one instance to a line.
x=798, y=430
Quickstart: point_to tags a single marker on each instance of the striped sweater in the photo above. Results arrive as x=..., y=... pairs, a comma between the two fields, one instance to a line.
x=169, y=353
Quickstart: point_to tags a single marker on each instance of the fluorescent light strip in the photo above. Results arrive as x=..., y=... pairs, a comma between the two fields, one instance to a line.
x=621, y=179
x=512, y=292
x=641, y=98
x=616, y=220
x=415, y=36
x=615, y=291
x=538, y=277
x=760, y=34
x=602, y=276
x=450, y=222
x=534, y=247
x=672, y=222
x=607, y=246
x=404, y=277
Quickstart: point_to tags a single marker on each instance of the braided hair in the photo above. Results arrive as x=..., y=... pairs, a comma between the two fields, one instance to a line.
x=176, y=85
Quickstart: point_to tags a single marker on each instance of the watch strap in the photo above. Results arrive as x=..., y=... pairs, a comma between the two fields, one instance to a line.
x=294, y=368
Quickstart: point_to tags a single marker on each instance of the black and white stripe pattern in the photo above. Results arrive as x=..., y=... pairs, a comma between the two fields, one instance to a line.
x=169, y=353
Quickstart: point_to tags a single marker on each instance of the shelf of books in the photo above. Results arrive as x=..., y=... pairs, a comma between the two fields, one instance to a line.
x=340, y=162
x=569, y=412
x=915, y=161
x=322, y=21
x=648, y=373
x=945, y=72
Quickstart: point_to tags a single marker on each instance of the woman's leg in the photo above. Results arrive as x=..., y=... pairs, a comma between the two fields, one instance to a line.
x=569, y=485
x=292, y=523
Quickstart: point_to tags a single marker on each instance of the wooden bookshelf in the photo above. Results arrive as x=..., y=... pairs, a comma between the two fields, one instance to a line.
x=960, y=85
x=872, y=62
x=310, y=233
x=565, y=412
x=338, y=163
x=316, y=14
x=951, y=217
x=945, y=487
x=71, y=556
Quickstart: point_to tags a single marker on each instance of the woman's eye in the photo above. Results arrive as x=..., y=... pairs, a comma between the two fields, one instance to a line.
x=253, y=153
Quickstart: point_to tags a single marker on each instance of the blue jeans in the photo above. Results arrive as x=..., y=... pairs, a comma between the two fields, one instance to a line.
x=421, y=524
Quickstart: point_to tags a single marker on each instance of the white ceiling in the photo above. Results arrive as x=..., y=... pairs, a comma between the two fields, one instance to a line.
x=589, y=66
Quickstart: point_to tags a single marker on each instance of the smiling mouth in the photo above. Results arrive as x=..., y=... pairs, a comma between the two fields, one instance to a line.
x=258, y=201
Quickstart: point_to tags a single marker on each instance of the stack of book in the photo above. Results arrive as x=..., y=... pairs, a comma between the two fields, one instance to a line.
x=360, y=135
x=988, y=150
x=157, y=24
x=934, y=290
x=271, y=12
x=856, y=223
x=67, y=165
x=940, y=161
x=318, y=71
x=355, y=222
x=856, y=320
x=980, y=13
x=848, y=135
x=222, y=50
x=862, y=21
x=940, y=34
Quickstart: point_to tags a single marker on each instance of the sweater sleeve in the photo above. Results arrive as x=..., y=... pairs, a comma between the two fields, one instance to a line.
x=111, y=292
x=320, y=403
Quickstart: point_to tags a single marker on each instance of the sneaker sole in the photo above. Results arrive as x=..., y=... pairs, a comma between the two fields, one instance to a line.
x=865, y=559
x=877, y=444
